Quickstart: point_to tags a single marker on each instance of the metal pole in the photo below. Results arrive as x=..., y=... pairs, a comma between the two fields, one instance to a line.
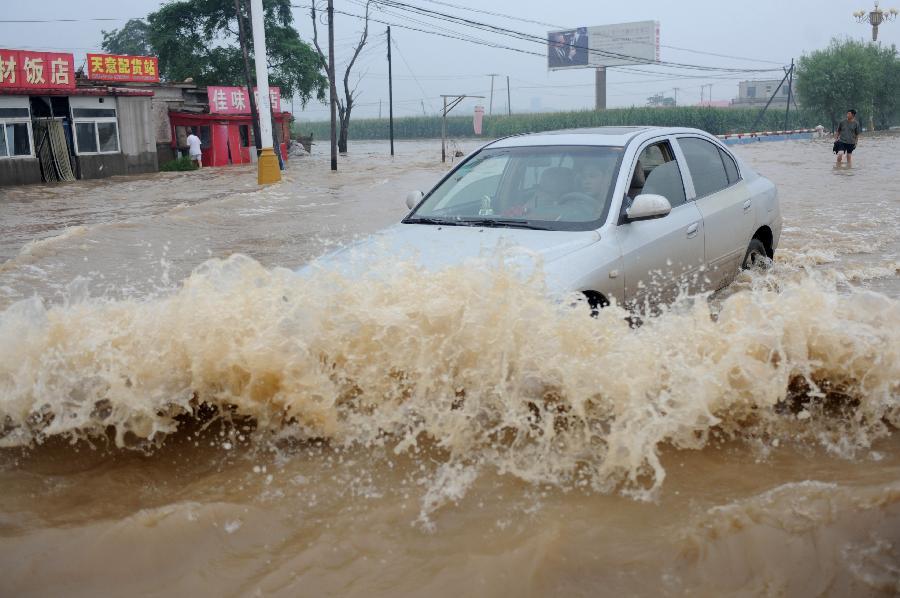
x=254, y=114
x=787, y=110
x=508, y=103
x=390, y=90
x=675, y=98
x=444, y=133
x=491, y=105
x=766, y=107
x=332, y=90
x=268, y=169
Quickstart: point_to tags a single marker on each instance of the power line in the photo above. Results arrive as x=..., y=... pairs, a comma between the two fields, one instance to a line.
x=22, y=21
x=555, y=26
x=424, y=95
x=542, y=41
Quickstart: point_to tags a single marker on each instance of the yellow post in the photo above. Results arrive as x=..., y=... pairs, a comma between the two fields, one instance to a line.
x=268, y=172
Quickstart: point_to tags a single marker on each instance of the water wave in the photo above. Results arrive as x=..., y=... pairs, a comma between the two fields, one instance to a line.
x=473, y=364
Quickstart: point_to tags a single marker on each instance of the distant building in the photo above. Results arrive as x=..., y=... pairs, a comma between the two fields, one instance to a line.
x=660, y=101
x=757, y=93
x=56, y=125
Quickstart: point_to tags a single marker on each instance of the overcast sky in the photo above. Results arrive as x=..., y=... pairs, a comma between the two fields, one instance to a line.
x=426, y=66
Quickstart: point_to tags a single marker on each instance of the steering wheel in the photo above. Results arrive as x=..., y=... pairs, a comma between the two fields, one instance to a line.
x=578, y=205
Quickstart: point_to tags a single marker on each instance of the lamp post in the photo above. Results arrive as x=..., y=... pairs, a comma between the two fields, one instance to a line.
x=268, y=171
x=875, y=17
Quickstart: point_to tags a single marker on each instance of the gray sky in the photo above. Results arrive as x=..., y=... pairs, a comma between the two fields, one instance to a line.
x=426, y=66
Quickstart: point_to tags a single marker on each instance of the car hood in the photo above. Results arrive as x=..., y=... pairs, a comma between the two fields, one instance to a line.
x=434, y=247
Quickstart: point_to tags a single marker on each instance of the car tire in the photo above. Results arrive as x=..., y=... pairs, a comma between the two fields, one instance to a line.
x=756, y=257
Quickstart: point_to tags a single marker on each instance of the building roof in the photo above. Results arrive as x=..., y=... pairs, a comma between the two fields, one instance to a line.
x=76, y=91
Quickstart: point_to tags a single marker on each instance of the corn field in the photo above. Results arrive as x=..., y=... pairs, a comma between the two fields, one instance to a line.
x=717, y=121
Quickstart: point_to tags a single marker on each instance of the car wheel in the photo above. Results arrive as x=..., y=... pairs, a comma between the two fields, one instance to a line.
x=756, y=257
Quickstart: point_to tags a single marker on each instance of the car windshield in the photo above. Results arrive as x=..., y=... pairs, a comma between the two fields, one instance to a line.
x=546, y=187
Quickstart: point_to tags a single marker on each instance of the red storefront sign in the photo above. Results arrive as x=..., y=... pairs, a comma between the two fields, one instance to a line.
x=36, y=70
x=117, y=67
x=234, y=100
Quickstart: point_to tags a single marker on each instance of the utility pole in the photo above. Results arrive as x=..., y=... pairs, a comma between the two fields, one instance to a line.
x=600, y=88
x=675, y=97
x=390, y=90
x=379, y=108
x=508, y=104
x=423, y=107
x=332, y=91
x=254, y=115
x=268, y=170
x=491, y=105
x=787, y=110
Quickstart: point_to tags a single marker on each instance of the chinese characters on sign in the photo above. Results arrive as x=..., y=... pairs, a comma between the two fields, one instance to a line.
x=113, y=67
x=36, y=70
x=234, y=100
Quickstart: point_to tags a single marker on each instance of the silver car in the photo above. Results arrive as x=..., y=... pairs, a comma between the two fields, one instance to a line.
x=634, y=214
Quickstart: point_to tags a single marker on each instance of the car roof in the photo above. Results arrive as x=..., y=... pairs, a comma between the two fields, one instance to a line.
x=611, y=136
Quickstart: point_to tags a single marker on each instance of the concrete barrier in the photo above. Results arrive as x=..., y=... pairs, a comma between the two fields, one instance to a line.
x=743, y=138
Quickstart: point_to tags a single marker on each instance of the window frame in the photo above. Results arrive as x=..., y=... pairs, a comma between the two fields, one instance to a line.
x=721, y=148
x=95, y=122
x=16, y=121
x=677, y=157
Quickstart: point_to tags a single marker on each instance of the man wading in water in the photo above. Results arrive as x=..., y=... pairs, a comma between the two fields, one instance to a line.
x=846, y=137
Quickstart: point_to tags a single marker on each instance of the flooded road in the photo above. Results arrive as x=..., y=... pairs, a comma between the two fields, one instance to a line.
x=180, y=414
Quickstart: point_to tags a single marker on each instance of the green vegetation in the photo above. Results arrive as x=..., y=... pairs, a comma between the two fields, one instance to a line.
x=717, y=121
x=132, y=39
x=178, y=165
x=852, y=74
x=199, y=39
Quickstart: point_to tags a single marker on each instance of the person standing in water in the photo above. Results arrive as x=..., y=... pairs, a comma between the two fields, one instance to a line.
x=846, y=137
x=195, y=152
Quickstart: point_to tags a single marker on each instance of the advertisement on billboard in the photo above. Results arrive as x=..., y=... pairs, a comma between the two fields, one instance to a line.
x=604, y=45
x=36, y=70
x=116, y=67
x=234, y=100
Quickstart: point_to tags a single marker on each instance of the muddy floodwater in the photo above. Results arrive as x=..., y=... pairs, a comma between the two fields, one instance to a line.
x=183, y=415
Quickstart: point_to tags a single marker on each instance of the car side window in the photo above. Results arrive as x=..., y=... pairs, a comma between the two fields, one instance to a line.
x=705, y=164
x=656, y=172
x=730, y=167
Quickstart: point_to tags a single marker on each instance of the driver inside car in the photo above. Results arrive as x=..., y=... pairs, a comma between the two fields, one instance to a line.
x=553, y=184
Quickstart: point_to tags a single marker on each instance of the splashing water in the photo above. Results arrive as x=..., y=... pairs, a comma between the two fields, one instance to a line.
x=471, y=363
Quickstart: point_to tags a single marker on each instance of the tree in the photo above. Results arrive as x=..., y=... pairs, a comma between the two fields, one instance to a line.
x=345, y=105
x=851, y=74
x=132, y=39
x=199, y=39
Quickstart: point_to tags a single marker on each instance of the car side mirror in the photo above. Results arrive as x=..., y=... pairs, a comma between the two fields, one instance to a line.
x=413, y=198
x=648, y=206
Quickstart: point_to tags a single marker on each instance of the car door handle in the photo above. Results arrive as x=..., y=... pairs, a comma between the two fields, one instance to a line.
x=692, y=230
x=747, y=204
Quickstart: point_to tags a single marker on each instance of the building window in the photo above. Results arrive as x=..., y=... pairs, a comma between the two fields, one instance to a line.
x=108, y=137
x=86, y=138
x=15, y=140
x=751, y=92
x=97, y=137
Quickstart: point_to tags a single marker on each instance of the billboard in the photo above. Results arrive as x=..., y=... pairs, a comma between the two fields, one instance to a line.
x=116, y=67
x=36, y=70
x=234, y=100
x=604, y=45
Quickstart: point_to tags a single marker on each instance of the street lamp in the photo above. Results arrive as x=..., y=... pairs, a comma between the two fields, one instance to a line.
x=876, y=17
